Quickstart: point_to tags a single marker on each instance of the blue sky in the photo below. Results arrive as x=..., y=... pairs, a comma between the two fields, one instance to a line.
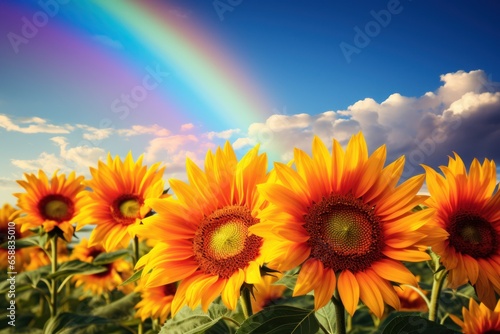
x=422, y=79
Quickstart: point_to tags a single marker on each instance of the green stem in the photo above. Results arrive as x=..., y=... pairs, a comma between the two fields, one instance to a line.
x=339, y=313
x=437, y=286
x=135, y=247
x=53, y=287
x=232, y=320
x=246, y=302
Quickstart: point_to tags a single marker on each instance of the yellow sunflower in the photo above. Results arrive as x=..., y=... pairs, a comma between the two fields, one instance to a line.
x=469, y=210
x=204, y=231
x=156, y=302
x=52, y=204
x=116, y=202
x=265, y=293
x=343, y=218
x=102, y=282
x=479, y=319
x=10, y=258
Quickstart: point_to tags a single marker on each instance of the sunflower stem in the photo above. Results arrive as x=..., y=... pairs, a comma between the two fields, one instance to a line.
x=246, y=304
x=53, y=285
x=135, y=247
x=339, y=313
x=437, y=286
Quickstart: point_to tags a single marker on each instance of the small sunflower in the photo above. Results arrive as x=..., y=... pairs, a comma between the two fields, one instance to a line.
x=102, y=282
x=467, y=207
x=36, y=257
x=266, y=293
x=203, y=233
x=411, y=300
x=117, y=198
x=11, y=258
x=479, y=319
x=156, y=302
x=52, y=204
x=343, y=218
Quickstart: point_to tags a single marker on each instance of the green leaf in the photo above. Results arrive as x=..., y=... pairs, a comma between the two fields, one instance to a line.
x=288, y=279
x=283, y=319
x=415, y=324
x=326, y=316
x=24, y=242
x=195, y=321
x=120, y=308
x=76, y=267
x=135, y=277
x=67, y=323
x=105, y=258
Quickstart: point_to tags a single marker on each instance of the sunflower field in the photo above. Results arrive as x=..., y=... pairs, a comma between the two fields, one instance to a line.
x=332, y=242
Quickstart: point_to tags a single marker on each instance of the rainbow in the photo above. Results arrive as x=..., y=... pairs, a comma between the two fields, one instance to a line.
x=231, y=100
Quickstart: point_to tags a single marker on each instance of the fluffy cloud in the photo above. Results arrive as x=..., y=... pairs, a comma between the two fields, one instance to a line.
x=35, y=125
x=463, y=115
x=136, y=130
x=226, y=134
x=77, y=158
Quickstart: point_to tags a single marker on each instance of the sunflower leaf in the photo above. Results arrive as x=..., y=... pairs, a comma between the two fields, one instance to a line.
x=66, y=323
x=76, y=267
x=23, y=243
x=105, y=258
x=119, y=309
x=326, y=318
x=135, y=277
x=281, y=319
x=415, y=324
x=196, y=321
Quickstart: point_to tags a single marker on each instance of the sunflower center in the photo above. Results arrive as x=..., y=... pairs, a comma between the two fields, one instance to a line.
x=56, y=207
x=169, y=289
x=126, y=208
x=221, y=243
x=344, y=233
x=472, y=235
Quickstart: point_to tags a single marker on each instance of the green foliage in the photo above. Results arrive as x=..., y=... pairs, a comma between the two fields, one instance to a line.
x=67, y=323
x=283, y=319
x=76, y=267
x=195, y=321
x=105, y=258
x=415, y=325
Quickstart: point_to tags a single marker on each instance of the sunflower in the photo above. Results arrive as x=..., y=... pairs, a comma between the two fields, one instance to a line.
x=469, y=210
x=203, y=233
x=156, y=302
x=116, y=202
x=479, y=319
x=10, y=258
x=266, y=293
x=411, y=300
x=53, y=204
x=344, y=219
x=36, y=257
x=102, y=282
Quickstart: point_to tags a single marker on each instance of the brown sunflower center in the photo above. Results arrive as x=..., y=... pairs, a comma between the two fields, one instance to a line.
x=109, y=268
x=344, y=233
x=472, y=235
x=56, y=207
x=126, y=208
x=169, y=289
x=221, y=243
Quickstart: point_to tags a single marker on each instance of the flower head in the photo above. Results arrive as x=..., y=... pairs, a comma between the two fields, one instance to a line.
x=468, y=209
x=343, y=218
x=10, y=232
x=479, y=319
x=102, y=282
x=203, y=233
x=117, y=198
x=52, y=204
x=156, y=302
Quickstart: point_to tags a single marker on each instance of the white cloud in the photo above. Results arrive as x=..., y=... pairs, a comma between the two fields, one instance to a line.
x=226, y=134
x=78, y=158
x=36, y=125
x=462, y=115
x=136, y=130
x=187, y=126
x=164, y=148
x=95, y=134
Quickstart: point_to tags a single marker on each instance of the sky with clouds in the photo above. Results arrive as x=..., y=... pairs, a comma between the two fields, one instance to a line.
x=173, y=79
